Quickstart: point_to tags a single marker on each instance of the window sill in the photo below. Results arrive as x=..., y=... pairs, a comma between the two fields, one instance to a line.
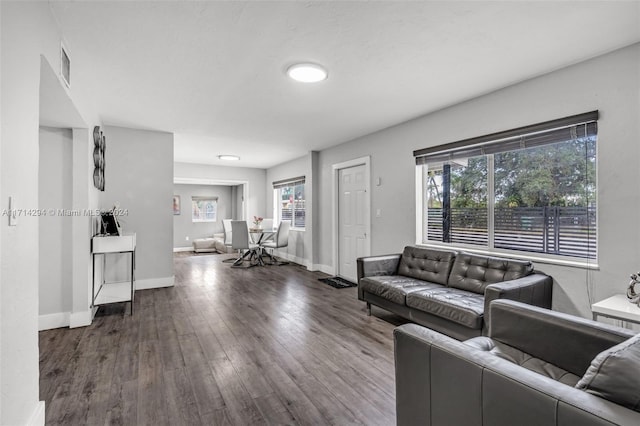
x=533, y=257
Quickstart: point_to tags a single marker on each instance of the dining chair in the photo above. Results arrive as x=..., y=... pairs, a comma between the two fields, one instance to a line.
x=240, y=241
x=226, y=227
x=267, y=225
x=280, y=240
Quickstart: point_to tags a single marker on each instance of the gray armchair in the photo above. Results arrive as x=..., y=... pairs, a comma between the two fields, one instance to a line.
x=524, y=372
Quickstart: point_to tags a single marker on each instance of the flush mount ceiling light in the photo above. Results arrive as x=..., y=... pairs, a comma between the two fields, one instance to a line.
x=307, y=73
x=228, y=157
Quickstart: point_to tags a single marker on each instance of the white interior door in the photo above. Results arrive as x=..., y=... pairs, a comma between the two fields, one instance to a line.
x=353, y=219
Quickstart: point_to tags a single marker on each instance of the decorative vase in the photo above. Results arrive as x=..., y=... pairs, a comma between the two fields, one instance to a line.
x=631, y=290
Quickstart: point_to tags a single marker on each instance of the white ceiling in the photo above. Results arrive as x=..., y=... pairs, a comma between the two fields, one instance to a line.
x=213, y=72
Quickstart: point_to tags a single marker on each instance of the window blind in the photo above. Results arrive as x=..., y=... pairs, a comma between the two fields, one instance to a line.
x=202, y=198
x=300, y=180
x=548, y=132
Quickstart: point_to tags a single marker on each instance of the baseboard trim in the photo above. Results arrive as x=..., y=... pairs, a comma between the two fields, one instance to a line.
x=80, y=319
x=50, y=321
x=37, y=417
x=177, y=249
x=290, y=258
x=327, y=269
x=150, y=283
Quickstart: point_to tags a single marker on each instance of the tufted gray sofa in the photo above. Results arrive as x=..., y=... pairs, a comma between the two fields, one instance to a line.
x=536, y=367
x=448, y=291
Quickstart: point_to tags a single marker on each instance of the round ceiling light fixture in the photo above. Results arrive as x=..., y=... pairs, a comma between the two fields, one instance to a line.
x=227, y=157
x=307, y=72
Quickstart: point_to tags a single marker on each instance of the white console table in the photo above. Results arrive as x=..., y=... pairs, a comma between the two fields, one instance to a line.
x=617, y=307
x=117, y=292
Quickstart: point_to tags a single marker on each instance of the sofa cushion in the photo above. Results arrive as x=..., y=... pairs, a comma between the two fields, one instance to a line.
x=523, y=359
x=426, y=264
x=614, y=374
x=460, y=306
x=204, y=244
x=474, y=272
x=394, y=287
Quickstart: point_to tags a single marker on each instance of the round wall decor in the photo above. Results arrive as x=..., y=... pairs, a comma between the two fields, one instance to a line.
x=99, y=142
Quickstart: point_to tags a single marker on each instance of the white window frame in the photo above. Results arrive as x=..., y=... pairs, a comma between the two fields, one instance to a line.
x=204, y=199
x=420, y=190
x=277, y=207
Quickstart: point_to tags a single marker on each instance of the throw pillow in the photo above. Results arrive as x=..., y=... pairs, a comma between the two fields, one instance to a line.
x=613, y=374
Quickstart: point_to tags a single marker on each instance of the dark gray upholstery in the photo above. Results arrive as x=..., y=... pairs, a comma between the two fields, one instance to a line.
x=572, y=345
x=474, y=273
x=463, y=307
x=441, y=381
x=417, y=285
x=395, y=287
x=426, y=265
x=523, y=359
x=375, y=266
x=615, y=374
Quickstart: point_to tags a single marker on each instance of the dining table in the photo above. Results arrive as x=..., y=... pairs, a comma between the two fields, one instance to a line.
x=258, y=236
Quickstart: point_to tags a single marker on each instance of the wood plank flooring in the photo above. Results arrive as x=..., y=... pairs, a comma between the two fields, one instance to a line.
x=266, y=345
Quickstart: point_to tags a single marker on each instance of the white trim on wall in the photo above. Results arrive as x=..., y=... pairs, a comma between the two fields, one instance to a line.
x=178, y=249
x=366, y=162
x=327, y=269
x=51, y=321
x=38, y=416
x=155, y=283
x=419, y=206
x=81, y=319
x=292, y=258
x=64, y=319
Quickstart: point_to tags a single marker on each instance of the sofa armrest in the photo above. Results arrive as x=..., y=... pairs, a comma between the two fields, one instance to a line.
x=375, y=266
x=534, y=289
x=442, y=381
x=564, y=340
x=434, y=385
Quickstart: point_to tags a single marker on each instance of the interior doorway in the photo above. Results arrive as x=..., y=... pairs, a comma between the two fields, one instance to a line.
x=352, y=216
x=64, y=177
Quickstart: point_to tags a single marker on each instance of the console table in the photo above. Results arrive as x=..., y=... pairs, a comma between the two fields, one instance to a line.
x=617, y=307
x=115, y=292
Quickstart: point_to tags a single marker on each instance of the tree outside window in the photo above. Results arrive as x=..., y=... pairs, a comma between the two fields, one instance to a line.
x=543, y=199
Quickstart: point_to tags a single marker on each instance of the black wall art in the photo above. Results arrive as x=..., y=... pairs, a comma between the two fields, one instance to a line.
x=99, y=142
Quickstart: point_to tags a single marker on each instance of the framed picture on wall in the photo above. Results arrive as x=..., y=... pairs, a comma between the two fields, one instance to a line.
x=176, y=204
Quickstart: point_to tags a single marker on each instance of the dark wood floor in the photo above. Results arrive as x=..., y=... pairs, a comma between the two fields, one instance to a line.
x=268, y=345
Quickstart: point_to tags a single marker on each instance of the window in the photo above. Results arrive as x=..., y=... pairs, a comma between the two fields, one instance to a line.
x=531, y=189
x=204, y=209
x=290, y=201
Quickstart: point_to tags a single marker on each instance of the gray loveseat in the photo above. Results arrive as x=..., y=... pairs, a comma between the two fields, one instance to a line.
x=448, y=291
x=536, y=367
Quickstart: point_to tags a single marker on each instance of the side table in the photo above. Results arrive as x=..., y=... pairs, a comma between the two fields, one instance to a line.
x=104, y=293
x=617, y=307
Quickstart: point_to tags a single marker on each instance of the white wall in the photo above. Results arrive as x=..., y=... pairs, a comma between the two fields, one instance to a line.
x=55, y=192
x=183, y=225
x=300, y=248
x=28, y=31
x=139, y=177
x=255, y=178
x=609, y=83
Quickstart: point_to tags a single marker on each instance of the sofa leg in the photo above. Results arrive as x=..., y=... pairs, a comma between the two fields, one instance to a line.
x=368, y=309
